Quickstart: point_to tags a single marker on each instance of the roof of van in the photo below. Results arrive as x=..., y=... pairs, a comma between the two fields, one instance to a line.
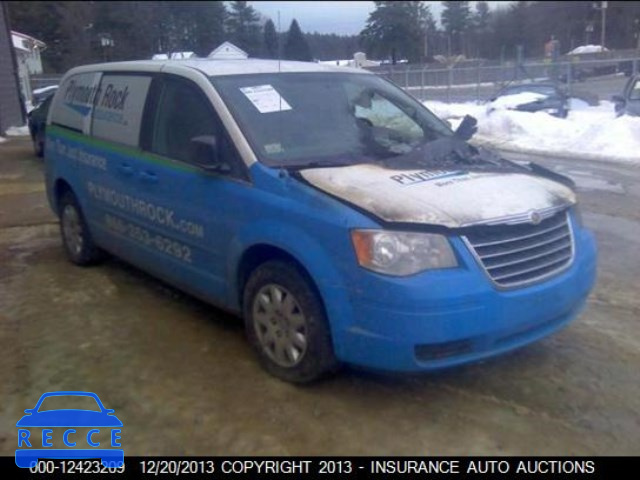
x=211, y=67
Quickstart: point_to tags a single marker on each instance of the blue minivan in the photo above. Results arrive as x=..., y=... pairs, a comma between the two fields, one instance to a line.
x=331, y=210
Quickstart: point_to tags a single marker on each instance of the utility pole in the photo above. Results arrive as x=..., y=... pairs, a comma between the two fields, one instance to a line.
x=603, y=8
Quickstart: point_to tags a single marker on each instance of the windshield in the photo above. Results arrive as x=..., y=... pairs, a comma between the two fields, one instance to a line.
x=303, y=119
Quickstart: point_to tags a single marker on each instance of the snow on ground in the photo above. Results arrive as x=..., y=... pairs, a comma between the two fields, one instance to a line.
x=2, y=139
x=588, y=132
x=17, y=131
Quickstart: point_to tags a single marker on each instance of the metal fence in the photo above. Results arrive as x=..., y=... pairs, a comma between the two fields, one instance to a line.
x=591, y=80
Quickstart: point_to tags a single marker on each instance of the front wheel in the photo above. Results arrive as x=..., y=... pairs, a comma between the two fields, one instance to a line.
x=286, y=324
x=76, y=237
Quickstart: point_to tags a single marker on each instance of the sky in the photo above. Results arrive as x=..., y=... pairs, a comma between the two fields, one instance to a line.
x=343, y=18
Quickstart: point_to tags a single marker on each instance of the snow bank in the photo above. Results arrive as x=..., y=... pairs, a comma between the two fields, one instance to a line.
x=588, y=132
x=17, y=131
x=588, y=49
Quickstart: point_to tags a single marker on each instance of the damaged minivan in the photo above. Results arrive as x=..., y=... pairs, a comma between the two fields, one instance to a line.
x=341, y=219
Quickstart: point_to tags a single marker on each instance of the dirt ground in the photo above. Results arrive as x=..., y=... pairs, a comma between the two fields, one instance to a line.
x=183, y=380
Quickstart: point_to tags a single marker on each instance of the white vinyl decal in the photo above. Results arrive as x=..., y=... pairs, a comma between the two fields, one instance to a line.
x=266, y=99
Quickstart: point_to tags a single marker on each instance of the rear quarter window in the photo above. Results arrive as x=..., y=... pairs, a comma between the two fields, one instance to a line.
x=73, y=103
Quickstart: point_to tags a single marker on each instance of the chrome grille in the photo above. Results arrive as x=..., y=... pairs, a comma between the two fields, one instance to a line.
x=517, y=255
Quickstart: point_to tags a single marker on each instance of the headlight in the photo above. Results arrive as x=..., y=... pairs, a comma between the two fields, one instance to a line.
x=401, y=253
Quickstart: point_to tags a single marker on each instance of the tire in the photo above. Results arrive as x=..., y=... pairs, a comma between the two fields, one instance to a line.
x=76, y=238
x=38, y=145
x=286, y=324
x=38, y=142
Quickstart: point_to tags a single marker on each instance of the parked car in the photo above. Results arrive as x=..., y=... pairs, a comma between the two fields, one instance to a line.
x=534, y=97
x=626, y=67
x=629, y=102
x=342, y=219
x=41, y=94
x=37, y=121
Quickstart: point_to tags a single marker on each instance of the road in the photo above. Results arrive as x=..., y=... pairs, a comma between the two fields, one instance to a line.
x=181, y=377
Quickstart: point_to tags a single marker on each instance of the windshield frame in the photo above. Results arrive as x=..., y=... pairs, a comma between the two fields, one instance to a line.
x=442, y=128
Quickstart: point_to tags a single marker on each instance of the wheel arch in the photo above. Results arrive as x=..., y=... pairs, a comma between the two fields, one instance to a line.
x=314, y=261
x=261, y=253
x=60, y=188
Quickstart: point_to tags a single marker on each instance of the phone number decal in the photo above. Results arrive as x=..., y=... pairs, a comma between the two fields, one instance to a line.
x=145, y=237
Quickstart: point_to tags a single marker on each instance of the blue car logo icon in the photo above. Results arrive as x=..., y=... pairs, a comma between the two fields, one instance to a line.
x=97, y=418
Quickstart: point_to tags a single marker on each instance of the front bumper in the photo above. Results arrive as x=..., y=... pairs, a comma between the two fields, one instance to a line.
x=450, y=317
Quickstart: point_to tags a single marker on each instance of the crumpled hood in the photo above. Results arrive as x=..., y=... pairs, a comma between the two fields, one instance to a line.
x=450, y=198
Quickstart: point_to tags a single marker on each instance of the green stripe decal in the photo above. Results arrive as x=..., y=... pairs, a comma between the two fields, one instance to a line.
x=109, y=147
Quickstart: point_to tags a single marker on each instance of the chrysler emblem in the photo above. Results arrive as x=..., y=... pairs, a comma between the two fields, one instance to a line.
x=534, y=217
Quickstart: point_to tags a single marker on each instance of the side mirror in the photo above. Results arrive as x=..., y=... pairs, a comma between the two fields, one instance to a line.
x=467, y=128
x=29, y=410
x=203, y=151
x=109, y=411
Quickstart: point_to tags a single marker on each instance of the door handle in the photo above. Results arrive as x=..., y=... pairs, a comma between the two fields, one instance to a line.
x=125, y=169
x=148, y=177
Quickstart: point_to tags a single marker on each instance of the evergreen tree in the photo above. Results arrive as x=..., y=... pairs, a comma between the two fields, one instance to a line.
x=209, y=20
x=481, y=17
x=271, y=44
x=296, y=46
x=243, y=28
x=480, y=23
x=396, y=30
x=430, y=29
x=456, y=19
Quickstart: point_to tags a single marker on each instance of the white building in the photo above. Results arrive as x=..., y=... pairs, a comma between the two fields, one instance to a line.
x=228, y=51
x=29, y=62
x=359, y=61
x=174, y=56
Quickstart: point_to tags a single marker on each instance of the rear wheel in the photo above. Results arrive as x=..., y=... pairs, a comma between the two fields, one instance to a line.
x=286, y=324
x=76, y=237
x=38, y=143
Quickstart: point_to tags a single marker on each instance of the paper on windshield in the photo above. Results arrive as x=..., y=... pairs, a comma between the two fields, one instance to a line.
x=265, y=98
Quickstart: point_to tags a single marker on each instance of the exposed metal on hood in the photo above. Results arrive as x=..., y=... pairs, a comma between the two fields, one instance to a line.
x=452, y=198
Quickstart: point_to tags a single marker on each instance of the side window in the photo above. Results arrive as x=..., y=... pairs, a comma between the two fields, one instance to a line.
x=118, y=108
x=182, y=114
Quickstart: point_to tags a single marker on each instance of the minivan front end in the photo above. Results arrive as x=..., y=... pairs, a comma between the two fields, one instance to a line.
x=446, y=252
x=444, y=317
